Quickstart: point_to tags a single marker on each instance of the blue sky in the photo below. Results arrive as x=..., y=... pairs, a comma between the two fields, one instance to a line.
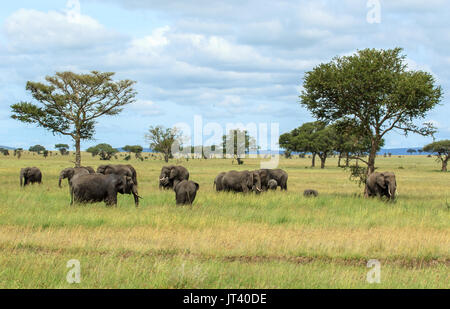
x=228, y=61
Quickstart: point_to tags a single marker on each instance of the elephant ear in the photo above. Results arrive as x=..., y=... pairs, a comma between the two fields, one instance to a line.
x=197, y=186
x=380, y=181
x=173, y=173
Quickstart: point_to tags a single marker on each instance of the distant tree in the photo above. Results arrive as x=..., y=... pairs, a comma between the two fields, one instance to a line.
x=63, y=149
x=314, y=137
x=420, y=150
x=161, y=140
x=18, y=152
x=105, y=151
x=136, y=149
x=238, y=143
x=70, y=103
x=442, y=151
x=37, y=148
x=411, y=151
x=45, y=153
x=4, y=151
x=374, y=89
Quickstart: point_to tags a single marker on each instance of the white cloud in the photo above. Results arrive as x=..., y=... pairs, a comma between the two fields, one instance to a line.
x=32, y=30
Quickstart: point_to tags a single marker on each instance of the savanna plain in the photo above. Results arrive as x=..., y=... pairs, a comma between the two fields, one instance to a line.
x=226, y=240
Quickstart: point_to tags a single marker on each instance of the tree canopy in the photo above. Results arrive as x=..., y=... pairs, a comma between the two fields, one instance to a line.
x=374, y=92
x=37, y=148
x=63, y=149
x=161, y=140
x=238, y=143
x=70, y=103
x=105, y=151
x=442, y=151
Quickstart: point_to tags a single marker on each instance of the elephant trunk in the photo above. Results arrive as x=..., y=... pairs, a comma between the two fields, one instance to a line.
x=21, y=178
x=60, y=179
x=391, y=189
x=136, y=195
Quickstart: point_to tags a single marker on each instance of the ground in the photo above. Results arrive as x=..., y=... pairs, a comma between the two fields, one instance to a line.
x=274, y=240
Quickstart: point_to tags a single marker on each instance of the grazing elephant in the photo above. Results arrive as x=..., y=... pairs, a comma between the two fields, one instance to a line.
x=272, y=184
x=119, y=169
x=72, y=171
x=91, y=188
x=310, y=192
x=185, y=192
x=279, y=175
x=171, y=175
x=243, y=181
x=218, y=182
x=381, y=184
x=30, y=175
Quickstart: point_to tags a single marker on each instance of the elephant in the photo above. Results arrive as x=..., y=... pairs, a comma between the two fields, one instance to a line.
x=91, y=188
x=119, y=169
x=72, y=171
x=272, y=184
x=30, y=175
x=243, y=181
x=310, y=192
x=381, y=184
x=185, y=192
x=218, y=182
x=279, y=175
x=171, y=175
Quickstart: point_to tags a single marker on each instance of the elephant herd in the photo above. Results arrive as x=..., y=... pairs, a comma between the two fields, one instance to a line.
x=87, y=185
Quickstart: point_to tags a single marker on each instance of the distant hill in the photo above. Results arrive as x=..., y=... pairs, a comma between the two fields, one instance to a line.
x=6, y=147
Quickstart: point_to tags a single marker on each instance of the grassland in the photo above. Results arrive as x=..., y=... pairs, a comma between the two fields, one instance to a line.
x=273, y=240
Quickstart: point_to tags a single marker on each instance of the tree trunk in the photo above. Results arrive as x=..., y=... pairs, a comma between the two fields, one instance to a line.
x=444, y=165
x=166, y=157
x=77, y=152
x=339, y=159
x=322, y=161
x=372, y=156
x=313, y=162
x=347, y=160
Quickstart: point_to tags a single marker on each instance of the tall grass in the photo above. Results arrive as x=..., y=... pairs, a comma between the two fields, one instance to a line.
x=225, y=240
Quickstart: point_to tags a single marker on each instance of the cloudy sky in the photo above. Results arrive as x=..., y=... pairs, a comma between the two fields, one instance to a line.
x=228, y=61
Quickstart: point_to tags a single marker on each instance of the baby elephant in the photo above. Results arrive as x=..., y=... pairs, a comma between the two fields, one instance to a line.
x=30, y=175
x=185, y=192
x=272, y=184
x=310, y=192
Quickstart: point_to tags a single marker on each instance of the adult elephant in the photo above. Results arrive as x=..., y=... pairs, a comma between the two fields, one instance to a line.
x=30, y=175
x=381, y=184
x=72, y=171
x=185, y=192
x=171, y=175
x=218, y=182
x=91, y=188
x=119, y=169
x=279, y=175
x=243, y=181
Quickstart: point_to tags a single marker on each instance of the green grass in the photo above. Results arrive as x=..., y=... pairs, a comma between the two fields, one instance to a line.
x=225, y=240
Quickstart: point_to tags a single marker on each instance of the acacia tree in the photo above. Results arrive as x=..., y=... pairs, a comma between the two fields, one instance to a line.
x=161, y=140
x=442, y=151
x=375, y=90
x=63, y=148
x=37, y=148
x=313, y=137
x=105, y=151
x=238, y=143
x=136, y=149
x=70, y=103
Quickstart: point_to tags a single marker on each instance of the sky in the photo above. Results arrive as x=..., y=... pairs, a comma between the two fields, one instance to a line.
x=224, y=61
